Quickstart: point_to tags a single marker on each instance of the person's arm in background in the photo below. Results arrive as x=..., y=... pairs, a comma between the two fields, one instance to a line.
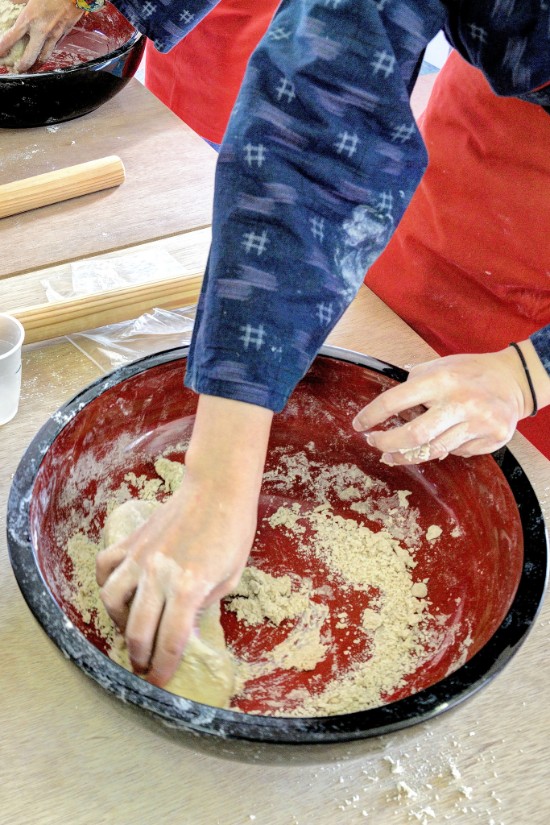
x=45, y=22
x=474, y=401
x=320, y=159
x=537, y=355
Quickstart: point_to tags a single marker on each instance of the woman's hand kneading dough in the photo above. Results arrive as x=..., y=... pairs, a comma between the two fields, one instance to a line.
x=44, y=22
x=192, y=550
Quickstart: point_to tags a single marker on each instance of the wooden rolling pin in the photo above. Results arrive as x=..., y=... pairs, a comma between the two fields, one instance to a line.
x=54, y=320
x=60, y=185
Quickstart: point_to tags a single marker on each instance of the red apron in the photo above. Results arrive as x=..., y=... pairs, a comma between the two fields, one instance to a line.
x=469, y=265
x=199, y=79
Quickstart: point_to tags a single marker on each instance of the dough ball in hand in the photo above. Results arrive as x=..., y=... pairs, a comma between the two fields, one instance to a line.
x=207, y=670
x=126, y=518
x=9, y=12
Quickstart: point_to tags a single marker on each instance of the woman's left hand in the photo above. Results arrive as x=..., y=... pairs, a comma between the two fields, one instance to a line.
x=473, y=404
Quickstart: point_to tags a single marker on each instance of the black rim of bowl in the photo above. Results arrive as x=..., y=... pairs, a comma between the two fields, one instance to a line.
x=186, y=715
x=95, y=65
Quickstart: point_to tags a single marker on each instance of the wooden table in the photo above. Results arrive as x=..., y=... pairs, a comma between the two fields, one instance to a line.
x=69, y=753
x=167, y=191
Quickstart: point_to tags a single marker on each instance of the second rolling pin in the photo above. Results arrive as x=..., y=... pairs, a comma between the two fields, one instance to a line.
x=72, y=315
x=59, y=185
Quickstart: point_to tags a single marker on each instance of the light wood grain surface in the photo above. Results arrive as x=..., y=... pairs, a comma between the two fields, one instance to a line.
x=70, y=753
x=167, y=191
x=188, y=250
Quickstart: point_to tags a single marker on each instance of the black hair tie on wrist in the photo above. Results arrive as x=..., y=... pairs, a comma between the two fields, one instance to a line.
x=529, y=379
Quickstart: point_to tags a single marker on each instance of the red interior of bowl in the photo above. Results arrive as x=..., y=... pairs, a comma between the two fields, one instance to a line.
x=95, y=35
x=472, y=576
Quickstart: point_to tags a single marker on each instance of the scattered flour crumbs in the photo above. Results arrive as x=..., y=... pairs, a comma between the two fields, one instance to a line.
x=400, y=629
x=395, y=621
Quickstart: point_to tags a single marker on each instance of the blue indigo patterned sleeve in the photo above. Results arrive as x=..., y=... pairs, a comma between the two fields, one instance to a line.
x=508, y=40
x=320, y=159
x=165, y=22
x=541, y=343
x=319, y=162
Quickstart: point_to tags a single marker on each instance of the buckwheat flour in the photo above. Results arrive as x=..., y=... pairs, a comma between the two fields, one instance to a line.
x=398, y=627
x=260, y=596
x=9, y=12
x=396, y=622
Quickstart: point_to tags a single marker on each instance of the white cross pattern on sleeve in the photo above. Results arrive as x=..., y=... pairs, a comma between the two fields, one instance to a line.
x=252, y=242
x=347, y=144
x=285, y=89
x=254, y=154
x=252, y=336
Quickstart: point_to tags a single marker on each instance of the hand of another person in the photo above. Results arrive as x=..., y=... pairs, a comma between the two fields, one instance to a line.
x=45, y=22
x=473, y=405
x=192, y=550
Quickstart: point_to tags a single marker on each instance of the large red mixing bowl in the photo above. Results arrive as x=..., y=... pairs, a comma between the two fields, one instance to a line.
x=486, y=572
x=90, y=65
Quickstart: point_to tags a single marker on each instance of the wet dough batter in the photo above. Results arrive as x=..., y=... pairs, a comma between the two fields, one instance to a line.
x=207, y=672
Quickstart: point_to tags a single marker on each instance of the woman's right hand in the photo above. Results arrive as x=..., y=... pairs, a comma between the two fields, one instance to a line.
x=192, y=550
x=45, y=22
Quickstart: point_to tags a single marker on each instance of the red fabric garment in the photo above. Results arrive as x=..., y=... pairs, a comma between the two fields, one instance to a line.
x=469, y=265
x=200, y=78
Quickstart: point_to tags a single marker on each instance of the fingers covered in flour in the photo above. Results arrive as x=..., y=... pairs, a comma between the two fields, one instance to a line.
x=192, y=548
x=471, y=405
x=108, y=560
x=174, y=629
x=43, y=23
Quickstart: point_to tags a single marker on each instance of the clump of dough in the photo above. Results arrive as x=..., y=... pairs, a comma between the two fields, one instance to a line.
x=433, y=532
x=260, y=596
x=171, y=472
x=126, y=518
x=9, y=12
x=206, y=673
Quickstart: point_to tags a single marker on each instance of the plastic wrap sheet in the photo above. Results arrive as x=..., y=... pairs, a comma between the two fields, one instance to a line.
x=93, y=275
x=116, y=344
